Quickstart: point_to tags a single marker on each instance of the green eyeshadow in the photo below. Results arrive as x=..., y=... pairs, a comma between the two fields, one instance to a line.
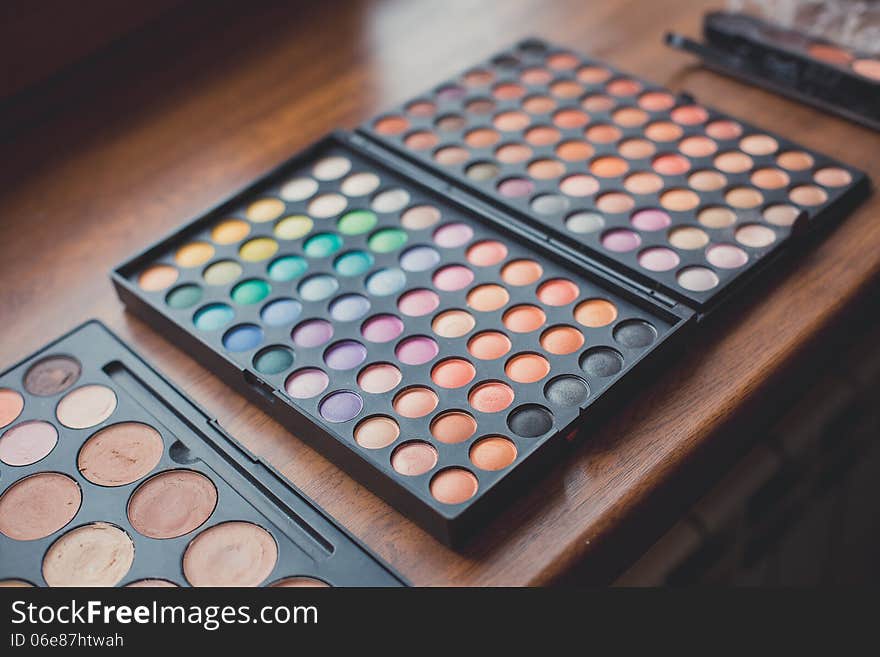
x=357, y=222
x=286, y=268
x=353, y=263
x=322, y=245
x=386, y=240
x=251, y=291
x=273, y=360
x=184, y=296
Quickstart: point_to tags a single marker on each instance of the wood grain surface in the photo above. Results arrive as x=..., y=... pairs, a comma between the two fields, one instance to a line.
x=134, y=141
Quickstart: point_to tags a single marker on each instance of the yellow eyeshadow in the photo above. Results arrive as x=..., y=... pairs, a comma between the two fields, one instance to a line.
x=230, y=231
x=266, y=209
x=292, y=228
x=194, y=254
x=258, y=249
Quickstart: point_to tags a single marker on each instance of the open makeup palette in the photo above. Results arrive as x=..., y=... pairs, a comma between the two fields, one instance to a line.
x=442, y=298
x=109, y=475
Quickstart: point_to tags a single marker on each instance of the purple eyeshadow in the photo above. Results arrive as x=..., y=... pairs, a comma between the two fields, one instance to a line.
x=341, y=406
x=345, y=355
x=416, y=350
x=312, y=333
x=382, y=328
x=419, y=258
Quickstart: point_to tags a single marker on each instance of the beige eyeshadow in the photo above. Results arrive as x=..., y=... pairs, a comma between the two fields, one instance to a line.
x=86, y=406
x=172, y=503
x=38, y=505
x=235, y=553
x=120, y=454
x=98, y=554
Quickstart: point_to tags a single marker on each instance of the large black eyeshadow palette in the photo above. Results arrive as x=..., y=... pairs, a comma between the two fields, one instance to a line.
x=440, y=340
x=111, y=476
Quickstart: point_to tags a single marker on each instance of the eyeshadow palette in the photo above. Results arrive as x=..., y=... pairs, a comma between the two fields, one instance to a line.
x=787, y=61
x=444, y=298
x=433, y=353
x=109, y=476
x=664, y=190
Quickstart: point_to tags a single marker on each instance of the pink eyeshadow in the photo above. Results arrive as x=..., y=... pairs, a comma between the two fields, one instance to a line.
x=416, y=350
x=621, y=240
x=453, y=277
x=306, y=383
x=382, y=328
x=453, y=235
x=416, y=303
x=650, y=219
x=659, y=259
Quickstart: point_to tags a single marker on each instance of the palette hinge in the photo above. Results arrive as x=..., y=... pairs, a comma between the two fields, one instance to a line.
x=587, y=263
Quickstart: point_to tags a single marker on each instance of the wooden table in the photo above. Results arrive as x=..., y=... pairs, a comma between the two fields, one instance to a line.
x=123, y=149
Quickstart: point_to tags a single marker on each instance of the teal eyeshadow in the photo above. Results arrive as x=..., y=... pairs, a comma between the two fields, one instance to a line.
x=251, y=291
x=353, y=263
x=286, y=268
x=357, y=222
x=386, y=240
x=273, y=360
x=213, y=316
x=184, y=296
x=322, y=245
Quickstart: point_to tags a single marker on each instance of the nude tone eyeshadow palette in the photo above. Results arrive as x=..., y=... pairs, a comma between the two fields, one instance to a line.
x=109, y=476
x=433, y=335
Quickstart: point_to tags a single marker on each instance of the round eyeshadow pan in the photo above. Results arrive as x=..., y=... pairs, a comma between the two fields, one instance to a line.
x=376, y=432
x=562, y=340
x=38, y=505
x=415, y=402
x=273, y=360
x=312, y=333
x=414, y=458
x=595, y=313
x=264, y=209
x=453, y=323
x=390, y=200
x=635, y=333
x=353, y=263
x=419, y=258
x=452, y=277
x=492, y=453
x=491, y=397
x=52, y=375
x=453, y=373
x=223, y=272
x=157, y=277
x=120, y=454
x=293, y=228
x=557, y=292
x=11, y=406
x=287, y=268
x=27, y=442
x=194, y=254
x=450, y=236
x=86, y=406
x=235, y=553
x=172, y=503
x=601, y=362
x=298, y=189
x=697, y=279
x=349, y=307
x=418, y=302
x=416, y=350
x=420, y=217
x=184, y=296
x=489, y=345
x=486, y=253
x=306, y=383
x=213, y=316
x=230, y=231
x=386, y=240
x=341, y=406
x=357, y=222
x=454, y=486
x=281, y=312
x=453, y=427
x=345, y=355
x=250, y=291
x=257, y=249
x=97, y=554
x=524, y=318
x=242, y=337
x=527, y=368
x=567, y=391
x=317, y=287
x=379, y=378
x=487, y=298
x=530, y=421
x=322, y=245
x=382, y=328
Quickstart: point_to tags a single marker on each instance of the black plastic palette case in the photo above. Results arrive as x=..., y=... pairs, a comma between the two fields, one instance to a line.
x=440, y=300
x=110, y=476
